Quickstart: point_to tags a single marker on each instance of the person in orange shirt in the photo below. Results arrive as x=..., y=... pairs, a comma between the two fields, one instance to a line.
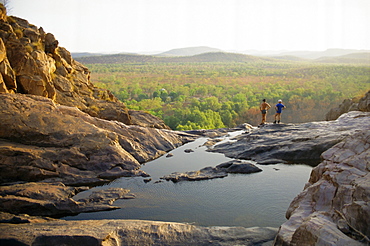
x=264, y=107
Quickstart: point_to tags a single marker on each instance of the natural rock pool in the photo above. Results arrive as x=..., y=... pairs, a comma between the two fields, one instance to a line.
x=258, y=199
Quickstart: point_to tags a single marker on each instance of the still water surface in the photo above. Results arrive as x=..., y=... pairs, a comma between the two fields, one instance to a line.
x=259, y=199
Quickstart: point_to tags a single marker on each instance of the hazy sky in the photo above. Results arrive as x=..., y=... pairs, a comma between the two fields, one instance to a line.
x=161, y=25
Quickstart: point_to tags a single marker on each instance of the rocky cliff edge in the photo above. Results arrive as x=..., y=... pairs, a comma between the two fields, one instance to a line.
x=32, y=62
x=58, y=132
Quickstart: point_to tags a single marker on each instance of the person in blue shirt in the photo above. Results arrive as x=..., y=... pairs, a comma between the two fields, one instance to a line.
x=279, y=108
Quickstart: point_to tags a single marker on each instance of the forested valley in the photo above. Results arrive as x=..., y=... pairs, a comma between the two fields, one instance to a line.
x=207, y=95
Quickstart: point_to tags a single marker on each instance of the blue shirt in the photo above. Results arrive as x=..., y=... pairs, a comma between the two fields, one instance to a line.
x=280, y=107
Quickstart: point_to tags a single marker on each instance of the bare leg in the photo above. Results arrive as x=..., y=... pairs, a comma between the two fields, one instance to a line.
x=263, y=119
x=278, y=117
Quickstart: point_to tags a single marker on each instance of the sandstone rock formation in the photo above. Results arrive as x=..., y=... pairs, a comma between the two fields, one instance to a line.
x=131, y=232
x=32, y=62
x=41, y=140
x=220, y=171
x=44, y=141
x=355, y=104
x=334, y=207
x=294, y=143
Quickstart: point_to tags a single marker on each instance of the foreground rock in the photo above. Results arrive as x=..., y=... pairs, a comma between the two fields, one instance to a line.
x=220, y=171
x=130, y=232
x=294, y=143
x=41, y=140
x=44, y=141
x=334, y=208
x=45, y=199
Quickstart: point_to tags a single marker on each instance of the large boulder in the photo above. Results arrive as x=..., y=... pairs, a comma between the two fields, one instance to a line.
x=294, y=143
x=354, y=104
x=334, y=207
x=364, y=103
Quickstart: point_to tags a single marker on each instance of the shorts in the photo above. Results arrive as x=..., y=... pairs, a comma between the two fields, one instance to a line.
x=263, y=111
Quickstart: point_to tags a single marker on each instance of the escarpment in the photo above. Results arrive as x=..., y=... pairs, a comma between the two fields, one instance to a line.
x=32, y=62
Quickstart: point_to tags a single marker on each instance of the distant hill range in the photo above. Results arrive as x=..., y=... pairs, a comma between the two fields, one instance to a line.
x=207, y=54
x=205, y=57
x=305, y=54
x=350, y=58
x=85, y=54
x=191, y=51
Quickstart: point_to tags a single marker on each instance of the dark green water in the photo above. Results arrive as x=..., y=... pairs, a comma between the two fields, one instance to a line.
x=259, y=199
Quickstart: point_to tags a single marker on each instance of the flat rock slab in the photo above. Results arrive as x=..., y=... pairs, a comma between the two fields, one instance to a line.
x=294, y=143
x=220, y=171
x=130, y=232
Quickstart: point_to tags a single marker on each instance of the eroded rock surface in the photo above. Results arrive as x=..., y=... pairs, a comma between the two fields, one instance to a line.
x=334, y=207
x=294, y=143
x=46, y=199
x=32, y=62
x=40, y=140
x=44, y=141
x=131, y=232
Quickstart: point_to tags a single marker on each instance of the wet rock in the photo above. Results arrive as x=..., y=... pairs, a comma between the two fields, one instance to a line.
x=107, y=196
x=214, y=133
x=220, y=171
x=188, y=151
x=131, y=232
x=211, y=142
x=334, y=208
x=294, y=143
x=239, y=166
x=147, y=180
x=203, y=174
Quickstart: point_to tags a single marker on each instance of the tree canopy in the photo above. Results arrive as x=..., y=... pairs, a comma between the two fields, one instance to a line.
x=212, y=95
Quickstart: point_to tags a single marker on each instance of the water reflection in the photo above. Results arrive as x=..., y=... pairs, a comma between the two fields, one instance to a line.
x=258, y=199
